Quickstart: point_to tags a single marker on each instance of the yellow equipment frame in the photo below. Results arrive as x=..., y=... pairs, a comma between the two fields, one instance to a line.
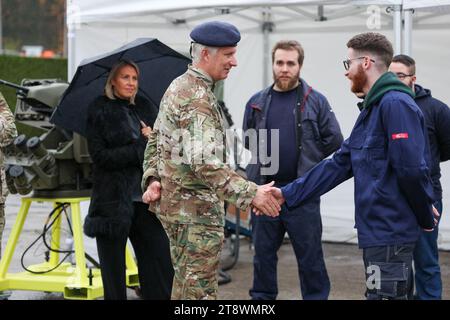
x=74, y=281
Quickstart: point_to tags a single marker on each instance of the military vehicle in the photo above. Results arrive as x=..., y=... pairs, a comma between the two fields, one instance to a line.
x=55, y=164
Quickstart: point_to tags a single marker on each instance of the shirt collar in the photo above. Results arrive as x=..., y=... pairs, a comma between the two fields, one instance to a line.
x=199, y=73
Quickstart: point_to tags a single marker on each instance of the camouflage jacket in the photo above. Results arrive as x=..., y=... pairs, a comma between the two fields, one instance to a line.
x=8, y=132
x=186, y=152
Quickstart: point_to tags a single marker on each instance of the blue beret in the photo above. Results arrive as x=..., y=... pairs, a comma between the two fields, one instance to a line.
x=216, y=34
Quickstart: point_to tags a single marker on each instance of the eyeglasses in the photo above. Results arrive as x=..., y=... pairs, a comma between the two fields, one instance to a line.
x=347, y=62
x=402, y=76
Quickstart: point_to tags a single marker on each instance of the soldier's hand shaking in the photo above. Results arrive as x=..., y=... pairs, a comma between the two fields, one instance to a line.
x=153, y=192
x=265, y=202
x=277, y=195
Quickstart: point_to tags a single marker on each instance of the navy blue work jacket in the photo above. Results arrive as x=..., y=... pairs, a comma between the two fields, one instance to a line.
x=320, y=131
x=386, y=154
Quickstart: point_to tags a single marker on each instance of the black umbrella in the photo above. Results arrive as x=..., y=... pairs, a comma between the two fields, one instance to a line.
x=158, y=65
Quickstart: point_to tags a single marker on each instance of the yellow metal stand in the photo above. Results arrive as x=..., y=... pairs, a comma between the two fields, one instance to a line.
x=73, y=280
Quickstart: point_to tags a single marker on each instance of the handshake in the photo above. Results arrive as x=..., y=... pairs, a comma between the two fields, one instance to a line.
x=268, y=199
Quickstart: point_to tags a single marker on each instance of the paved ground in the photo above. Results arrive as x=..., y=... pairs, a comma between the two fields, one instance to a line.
x=343, y=261
x=344, y=264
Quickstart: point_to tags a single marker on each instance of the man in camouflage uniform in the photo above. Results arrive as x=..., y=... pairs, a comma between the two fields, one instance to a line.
x=8, y=132
x=185, y=169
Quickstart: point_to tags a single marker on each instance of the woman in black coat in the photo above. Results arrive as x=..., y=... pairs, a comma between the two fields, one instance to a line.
x=118, y=124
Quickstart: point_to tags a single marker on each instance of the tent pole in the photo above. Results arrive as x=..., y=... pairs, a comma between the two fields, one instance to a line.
x=71, y=44
x=267, y=28
x=408, y=31
x=265, y=56
x=71, y=22
x=397, y=29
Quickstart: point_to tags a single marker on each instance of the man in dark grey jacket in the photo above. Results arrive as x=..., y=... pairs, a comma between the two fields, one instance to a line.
x=437, y=119
x=294, y=128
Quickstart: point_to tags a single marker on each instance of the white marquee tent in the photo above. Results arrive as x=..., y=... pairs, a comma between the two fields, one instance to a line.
x=417, y=27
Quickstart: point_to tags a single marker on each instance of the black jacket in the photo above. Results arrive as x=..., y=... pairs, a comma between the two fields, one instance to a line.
x=316, y=125
x=117, y=147
x=437, y=120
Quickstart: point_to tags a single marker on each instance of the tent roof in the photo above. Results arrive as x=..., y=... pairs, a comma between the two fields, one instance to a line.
x=89, y=11
x=176, y=12
x=416, y=4
x=86, y=11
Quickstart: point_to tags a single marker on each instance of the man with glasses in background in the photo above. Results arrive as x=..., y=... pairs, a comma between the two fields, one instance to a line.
x=386, y=154
x=437, y=120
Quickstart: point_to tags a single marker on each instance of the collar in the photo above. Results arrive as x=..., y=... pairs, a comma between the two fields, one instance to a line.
x=199, y=73
x=385, y=83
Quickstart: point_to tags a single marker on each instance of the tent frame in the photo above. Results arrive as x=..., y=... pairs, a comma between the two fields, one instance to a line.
x=402, y=16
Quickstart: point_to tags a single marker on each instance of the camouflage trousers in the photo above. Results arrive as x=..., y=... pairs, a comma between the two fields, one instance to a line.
x=195, y=251
x=2, y=224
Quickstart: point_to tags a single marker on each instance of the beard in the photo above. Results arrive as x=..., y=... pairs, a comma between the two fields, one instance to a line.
x=286, y=85
x=359, y=80
x=410, y=84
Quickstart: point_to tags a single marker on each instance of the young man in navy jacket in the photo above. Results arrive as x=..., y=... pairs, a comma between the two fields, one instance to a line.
x=386, y=154
x=437, y=120
x=308, y=132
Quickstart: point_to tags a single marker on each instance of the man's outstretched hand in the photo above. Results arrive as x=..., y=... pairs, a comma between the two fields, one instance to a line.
x=277, y=195
x=267, y=200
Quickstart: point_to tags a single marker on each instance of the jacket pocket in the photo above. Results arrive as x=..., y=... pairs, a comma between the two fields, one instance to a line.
x=310, y=127
x=376, y=147
x=376, y=154
x=356, y=141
